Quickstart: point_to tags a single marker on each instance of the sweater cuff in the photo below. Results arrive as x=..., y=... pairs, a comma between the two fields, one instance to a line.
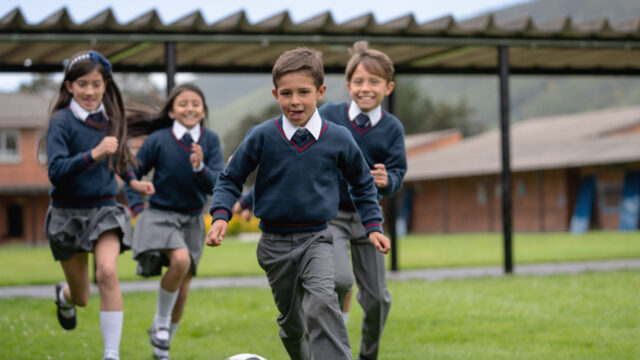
x=199, y=168
x=220, y=214
x=137, y=209
x=371, y=227
x=88, y=159
x=128, y=176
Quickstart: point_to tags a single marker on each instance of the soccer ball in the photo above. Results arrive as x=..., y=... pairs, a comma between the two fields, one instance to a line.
x=246, y=357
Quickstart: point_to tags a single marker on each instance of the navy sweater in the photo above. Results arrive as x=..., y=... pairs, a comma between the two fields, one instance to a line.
x=78, y=180
x=382, y=143
x=178, y=187
x=297, y=191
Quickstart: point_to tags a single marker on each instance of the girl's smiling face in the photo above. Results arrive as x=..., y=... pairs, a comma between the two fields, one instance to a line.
x=87, y=90
x=188, y=109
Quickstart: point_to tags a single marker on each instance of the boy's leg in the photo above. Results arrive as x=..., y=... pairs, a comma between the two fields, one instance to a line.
x=339, y=228
x=276, y=254
x=327, y=332
x=373, y=296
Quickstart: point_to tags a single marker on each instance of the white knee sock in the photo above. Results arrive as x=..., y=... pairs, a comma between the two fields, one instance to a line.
x=111, y=323
x=173, y=329
x=345, y=317
x=166, y=301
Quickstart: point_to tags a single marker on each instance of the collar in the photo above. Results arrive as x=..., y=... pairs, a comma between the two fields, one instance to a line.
x=314, y=125
x=374, y=115
x=82, y=114
x=179, y=130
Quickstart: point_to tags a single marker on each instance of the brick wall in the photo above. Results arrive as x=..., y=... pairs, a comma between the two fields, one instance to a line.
x=542, y=201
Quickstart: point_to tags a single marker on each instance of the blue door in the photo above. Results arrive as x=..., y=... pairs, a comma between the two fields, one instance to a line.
x=630, y=206
x=584, y=206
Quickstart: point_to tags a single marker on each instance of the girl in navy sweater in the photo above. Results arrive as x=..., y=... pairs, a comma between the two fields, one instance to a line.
x=86, y=146
x=187, y=158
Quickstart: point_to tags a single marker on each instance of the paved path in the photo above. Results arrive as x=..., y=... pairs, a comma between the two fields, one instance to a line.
x=46, y=291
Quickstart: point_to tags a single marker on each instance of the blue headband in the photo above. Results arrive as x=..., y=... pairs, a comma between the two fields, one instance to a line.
x=93, y=56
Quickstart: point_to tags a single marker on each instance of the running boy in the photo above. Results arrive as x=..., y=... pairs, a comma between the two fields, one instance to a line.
x=380, y=137
x=298, y=156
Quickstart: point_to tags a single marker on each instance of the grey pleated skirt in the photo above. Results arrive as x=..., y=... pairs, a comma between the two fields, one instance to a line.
x=71, y=231
x=158, y=230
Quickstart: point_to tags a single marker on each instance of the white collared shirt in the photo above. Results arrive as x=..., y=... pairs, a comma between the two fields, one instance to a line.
x=81, y=114
x=374, y=115
x=179, y=130
x=314, y=125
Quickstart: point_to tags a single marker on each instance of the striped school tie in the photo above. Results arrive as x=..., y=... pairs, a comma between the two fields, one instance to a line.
x=362, y=121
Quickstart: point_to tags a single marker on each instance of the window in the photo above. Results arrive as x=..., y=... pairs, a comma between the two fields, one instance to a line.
x=481, y=193
x=9, y=145
x=521, y=188
x=610, y=198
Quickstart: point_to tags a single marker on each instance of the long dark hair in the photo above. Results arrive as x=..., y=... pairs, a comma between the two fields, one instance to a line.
x=80, y=64
x=145, y=119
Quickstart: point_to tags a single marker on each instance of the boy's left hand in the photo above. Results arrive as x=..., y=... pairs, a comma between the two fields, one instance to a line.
x=196, y=155
x=380, y=176
x=380, y=241
x=143, y=187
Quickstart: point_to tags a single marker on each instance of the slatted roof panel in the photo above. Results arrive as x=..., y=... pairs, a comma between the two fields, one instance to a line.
x=233, y=43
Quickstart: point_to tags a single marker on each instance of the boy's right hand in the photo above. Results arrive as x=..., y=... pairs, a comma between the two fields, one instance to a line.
x=108, y=146
x=380, y=241
x=216, y=233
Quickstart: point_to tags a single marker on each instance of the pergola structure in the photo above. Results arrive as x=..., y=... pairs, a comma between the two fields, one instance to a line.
x=234, y=45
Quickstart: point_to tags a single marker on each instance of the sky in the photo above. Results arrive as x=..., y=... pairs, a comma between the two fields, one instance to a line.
x=34, y=11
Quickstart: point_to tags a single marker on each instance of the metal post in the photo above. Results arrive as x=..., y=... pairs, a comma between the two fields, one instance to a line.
x=391, y=212
x=170, y=64
x=503, y=64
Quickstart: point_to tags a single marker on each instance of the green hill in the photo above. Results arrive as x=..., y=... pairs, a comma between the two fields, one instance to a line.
x=535, y=96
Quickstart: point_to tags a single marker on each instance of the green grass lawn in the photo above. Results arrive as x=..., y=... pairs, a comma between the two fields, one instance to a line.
x=585, y=316
x=35, y=265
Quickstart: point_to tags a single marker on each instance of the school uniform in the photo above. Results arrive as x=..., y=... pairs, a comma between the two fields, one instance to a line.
x=296, y=194
x=380, y=137
x=83, y=191
x=174, y=218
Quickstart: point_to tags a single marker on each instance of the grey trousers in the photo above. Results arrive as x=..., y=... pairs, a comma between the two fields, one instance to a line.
x=300, y=271
x=369, y=271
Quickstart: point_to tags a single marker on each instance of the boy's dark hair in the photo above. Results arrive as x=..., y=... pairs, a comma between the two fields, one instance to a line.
x=374, y=61
x=299, y=59
x=144, y=119
x=80, y=64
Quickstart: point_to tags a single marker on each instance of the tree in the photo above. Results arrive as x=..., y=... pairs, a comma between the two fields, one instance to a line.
x=421, y=114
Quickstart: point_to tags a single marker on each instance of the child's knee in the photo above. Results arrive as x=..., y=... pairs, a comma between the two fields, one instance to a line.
x=106, y=274
x=180, y=260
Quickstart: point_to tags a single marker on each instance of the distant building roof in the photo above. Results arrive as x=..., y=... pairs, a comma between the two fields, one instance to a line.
x=21, y=110
x=590, y=138
x=417, y=143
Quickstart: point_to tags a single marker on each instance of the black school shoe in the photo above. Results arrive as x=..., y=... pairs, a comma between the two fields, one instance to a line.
x=159, y=343
x=67, y=323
